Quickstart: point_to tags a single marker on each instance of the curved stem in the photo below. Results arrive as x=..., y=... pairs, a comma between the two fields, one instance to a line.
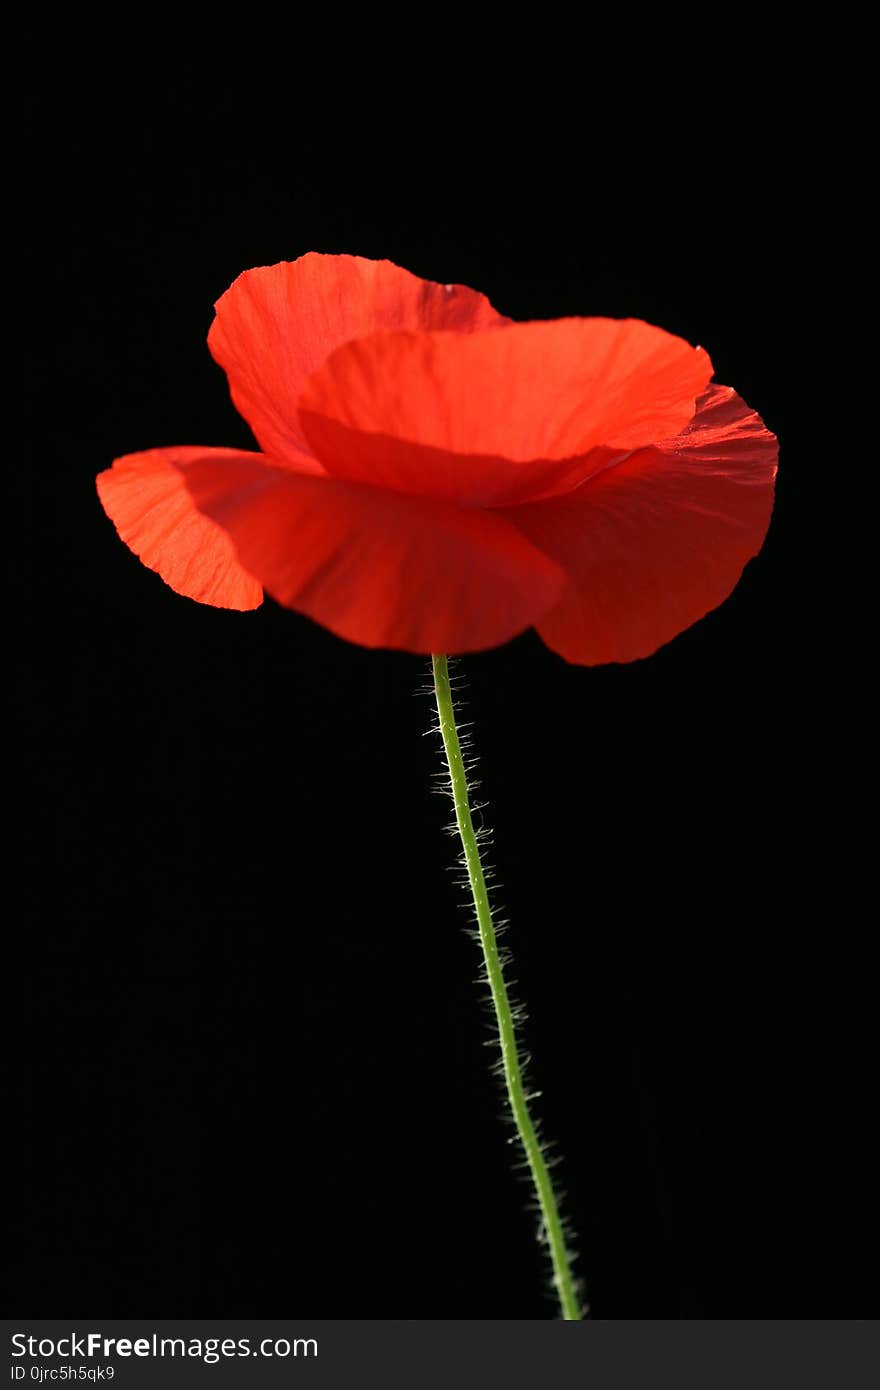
x=513, y=1077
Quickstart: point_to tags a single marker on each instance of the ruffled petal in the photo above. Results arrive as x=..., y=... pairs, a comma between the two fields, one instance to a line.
x=657, y=540
x=146, y=497
x=379, y=568
x=502, y=416
x=277, y=323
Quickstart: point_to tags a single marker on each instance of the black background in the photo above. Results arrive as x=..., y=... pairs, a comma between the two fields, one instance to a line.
x=255, y=1080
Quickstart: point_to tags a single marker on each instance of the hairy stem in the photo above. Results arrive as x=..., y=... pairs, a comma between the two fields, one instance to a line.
x=512, y=1065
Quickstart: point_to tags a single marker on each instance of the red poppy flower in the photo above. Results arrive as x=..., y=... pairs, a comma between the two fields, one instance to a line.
x=436, y=478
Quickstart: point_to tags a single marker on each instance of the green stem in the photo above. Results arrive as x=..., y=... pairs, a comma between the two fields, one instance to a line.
x=513, y=1077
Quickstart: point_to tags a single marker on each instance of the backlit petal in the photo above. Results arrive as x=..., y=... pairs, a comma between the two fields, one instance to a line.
x=379, y=568
x=277, y=323
x=655, y=541
x=146, y=497
x=498, y=416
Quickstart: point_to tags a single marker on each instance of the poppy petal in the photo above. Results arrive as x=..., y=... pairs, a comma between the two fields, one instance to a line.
x=541, y=396
x=277, y=323
x=379, y=568
x=658, y=539
x=146, y=497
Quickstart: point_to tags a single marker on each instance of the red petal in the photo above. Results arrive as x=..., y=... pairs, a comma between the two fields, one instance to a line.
x=146, y=497
x=514, y=412
x=659, y=539
x=379, y=568
x=277, y=323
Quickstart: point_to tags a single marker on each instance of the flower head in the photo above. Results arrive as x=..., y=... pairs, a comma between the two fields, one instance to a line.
x=436, y=478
